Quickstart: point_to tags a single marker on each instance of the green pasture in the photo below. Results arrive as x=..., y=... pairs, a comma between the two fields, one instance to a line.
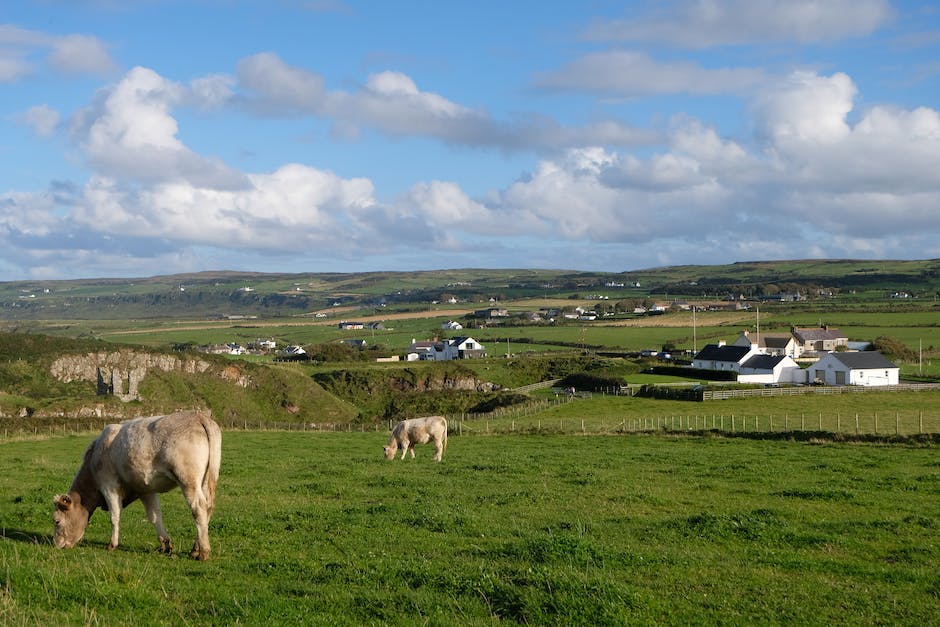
x=316, y=528
x=885, y=414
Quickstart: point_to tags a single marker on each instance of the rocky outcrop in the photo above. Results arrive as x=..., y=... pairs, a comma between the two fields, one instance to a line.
x=120, y=372
x=446, y=382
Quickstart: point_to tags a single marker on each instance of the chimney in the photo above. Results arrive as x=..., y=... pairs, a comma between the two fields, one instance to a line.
x=721, y=343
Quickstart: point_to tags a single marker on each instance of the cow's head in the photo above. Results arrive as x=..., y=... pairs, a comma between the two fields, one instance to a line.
x=70, y=519
x=390, y=451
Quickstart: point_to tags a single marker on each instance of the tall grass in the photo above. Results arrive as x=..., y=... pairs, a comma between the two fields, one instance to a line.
x=317, y=529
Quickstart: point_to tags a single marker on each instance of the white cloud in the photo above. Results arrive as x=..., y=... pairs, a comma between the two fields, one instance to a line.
x=80, y=54
x=393, y=104
x=627, y=73
x=65, y=54
x=130, y=133
x=704, y=23
x=213, y=92
x=13, y=66
x=280, y=87
x=42, y=119
x=294, y=206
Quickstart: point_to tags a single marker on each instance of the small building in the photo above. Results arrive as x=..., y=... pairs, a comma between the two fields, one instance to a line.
x=770, y=343
x=346, y=325
x=722, y=357
x=819, y=340
x=451, y=325
x=769, y=369
x=868, y=368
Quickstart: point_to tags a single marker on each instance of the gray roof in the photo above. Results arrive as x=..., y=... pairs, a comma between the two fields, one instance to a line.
x=713, y=352
x=763, y=362
x=816, y=335
x=864, y=360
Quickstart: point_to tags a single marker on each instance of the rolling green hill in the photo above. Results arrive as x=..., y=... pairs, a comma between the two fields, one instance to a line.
x=227, y=294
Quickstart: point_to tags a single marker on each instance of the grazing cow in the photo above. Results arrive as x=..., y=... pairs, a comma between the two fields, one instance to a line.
x=407, y=433
x=137, y=459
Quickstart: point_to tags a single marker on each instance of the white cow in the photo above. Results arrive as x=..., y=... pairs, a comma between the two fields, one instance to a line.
x=407, y=433
x=137, y=459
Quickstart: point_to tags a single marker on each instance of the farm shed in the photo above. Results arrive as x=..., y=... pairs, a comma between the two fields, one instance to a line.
x=868, y=368
x=770, y=369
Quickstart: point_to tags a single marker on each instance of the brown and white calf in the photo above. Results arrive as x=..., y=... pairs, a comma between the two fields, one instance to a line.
x=407, y=433
x=138, y=459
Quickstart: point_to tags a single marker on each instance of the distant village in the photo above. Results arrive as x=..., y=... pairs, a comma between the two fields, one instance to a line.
x=802, y=356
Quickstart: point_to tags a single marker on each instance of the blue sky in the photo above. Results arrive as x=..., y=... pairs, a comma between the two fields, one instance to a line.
x=145, y=137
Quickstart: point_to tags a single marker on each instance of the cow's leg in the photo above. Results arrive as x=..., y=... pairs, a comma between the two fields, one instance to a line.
x=114, y=508
x=199, y=506
x=155, y=516
x=411, y=447
x=404, y=449
x=438, y=449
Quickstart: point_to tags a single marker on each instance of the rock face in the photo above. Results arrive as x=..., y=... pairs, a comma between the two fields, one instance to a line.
x=120, y=372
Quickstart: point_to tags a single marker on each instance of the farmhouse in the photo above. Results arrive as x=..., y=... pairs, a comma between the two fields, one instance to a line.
x=770, y=343
x=819, y=340
x=722, y=357
x=346, y=325
x=869, y=368
x=446, y=350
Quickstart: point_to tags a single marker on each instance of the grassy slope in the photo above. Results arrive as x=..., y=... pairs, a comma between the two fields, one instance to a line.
x=317, y=529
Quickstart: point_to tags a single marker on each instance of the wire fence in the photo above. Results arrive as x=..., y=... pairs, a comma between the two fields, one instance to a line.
x=532, y=418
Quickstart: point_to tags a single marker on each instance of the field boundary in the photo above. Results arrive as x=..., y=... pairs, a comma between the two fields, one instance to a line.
x=718, y=395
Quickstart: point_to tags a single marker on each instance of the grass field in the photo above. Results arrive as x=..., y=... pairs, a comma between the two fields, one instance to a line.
x=315, y=528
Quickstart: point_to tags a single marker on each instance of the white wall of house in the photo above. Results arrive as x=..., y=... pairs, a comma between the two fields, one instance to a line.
x=831, y=371
x=786, y=371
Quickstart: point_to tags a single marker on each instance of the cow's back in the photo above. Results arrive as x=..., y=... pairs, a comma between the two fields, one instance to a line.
x=154, y=453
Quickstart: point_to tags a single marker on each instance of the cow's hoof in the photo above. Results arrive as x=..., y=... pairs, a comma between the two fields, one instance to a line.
x=198, y=554
x=165, y=546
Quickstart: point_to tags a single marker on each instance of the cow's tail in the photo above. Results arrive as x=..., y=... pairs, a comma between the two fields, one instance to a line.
x=211, y=477
x=444, y=447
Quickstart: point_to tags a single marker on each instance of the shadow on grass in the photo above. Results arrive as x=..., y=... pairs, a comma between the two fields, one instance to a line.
x=28, y=537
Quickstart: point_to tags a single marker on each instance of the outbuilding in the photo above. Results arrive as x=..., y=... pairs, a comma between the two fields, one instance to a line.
x=869, y=368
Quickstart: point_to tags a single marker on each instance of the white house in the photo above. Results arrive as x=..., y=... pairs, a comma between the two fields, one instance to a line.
x=821, y=339
x=454, y=348
x=451, y=325
x=868, y=368
x=770, y=369
x=722, y=357
x=770, y=343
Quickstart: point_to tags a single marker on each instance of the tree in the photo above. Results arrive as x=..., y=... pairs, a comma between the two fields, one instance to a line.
x=893, y=347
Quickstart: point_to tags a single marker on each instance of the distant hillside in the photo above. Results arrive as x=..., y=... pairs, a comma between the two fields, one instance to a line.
x=43, y=379
x=227, y=294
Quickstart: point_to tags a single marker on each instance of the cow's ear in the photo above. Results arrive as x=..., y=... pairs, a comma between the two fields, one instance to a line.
x=63, y=501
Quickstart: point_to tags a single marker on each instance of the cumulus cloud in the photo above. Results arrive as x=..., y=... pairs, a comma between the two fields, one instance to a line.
x=627, y=73
x=705, y=23
x=820, y=178
x=130, y=133
x=309, y=206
